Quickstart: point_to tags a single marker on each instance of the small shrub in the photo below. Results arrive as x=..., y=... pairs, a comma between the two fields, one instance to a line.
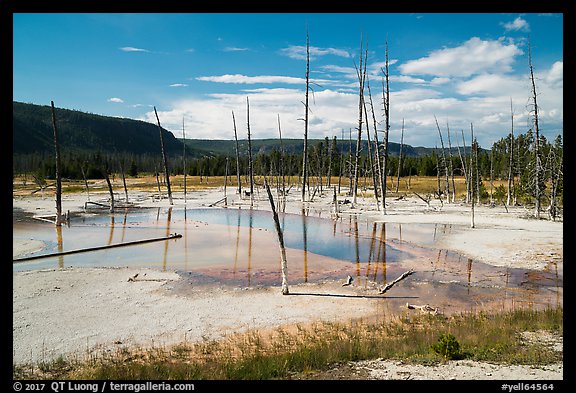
x=447, y=346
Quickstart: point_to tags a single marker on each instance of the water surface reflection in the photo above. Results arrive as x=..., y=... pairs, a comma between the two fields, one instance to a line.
x=239, y=247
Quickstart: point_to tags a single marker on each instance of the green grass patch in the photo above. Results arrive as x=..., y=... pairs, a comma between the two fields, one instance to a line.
x=423, y=339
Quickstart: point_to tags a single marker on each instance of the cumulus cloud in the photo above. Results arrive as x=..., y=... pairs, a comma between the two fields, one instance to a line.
x=493, y=84
x=518, y=24
x=299, y=52
x=133, y=49
x=472, y=57
x=116, y=99
x=555, y=76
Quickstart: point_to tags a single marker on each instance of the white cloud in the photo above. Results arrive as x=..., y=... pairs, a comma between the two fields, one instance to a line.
x=493, y=85
x=178, y=85
x=439, y=81
x=299, y=52
x=482, y=99
x=406, y=79
x=555, y=76
x=116, y=99
x=517, y=24
x=245, y=79
x=472, y=57
x=132, y=49
x=234, y=49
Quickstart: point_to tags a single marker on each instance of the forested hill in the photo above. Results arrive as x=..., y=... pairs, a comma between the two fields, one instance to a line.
x=32, y=132
x=291, y=146
x=79, y=131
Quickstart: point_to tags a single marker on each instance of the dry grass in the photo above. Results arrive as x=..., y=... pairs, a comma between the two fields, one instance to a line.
x=422, y=185
x=283, y=353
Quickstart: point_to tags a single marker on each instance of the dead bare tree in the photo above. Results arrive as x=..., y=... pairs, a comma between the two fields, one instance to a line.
x=492, y=177
x=307, y=111
x=85, y=181
x=370, y=158
x=511, y=190
x=376, y=144
x=464, y=169
x=350, y=176
x=444, y=164
x=58, y=220
x=123, y=179
x=250, y=162
x=361, y=73
x=164, y=159
x=400, y=157
x=283, y=261
x=386, y=105
x=537, y=167
x=470, y=177
x=110, y=190
x=331, y=150
x=451, y=166
x=184, y=157
x=281, y=169
x=237, y=157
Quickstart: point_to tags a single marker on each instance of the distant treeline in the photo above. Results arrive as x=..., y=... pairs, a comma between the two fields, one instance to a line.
x=324, y=159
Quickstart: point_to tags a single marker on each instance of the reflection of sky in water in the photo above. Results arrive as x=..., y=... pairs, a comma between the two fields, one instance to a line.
x=215, y=236
x=240, y=247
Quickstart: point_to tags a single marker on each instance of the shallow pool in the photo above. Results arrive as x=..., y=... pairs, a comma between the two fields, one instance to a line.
x=235, y=246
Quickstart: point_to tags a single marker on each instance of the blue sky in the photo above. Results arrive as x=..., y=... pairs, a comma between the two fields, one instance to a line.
x=461, y=68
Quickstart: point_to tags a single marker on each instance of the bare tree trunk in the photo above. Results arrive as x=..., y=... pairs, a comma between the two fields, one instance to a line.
x=58, y=220
x=445, y=165
x=466, y=177
x=109, y=190
x=165, y=159
x=282, y=161
x=237, y=157
x=124, y=180
x=361, y=72
x=492, y=177
x=438, y=188
x=85, y=181
x=226, y=183
x=400, y=157
x=511, y=165
x=305, y=155
x=477, y=171
x=470, y=177
x=250, y=162
x=284, y=262
x=451, y=166
x=386, y=103
x=184, y=157
x=370, y=159
x=350, y=176
x=537, y=138
x=157, y=181
x=342, y=165
x=376, y=144
x=330, y=154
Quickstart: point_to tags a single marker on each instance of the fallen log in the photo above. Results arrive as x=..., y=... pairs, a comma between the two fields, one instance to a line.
x=217, y=202
x=33, y=257
x=423, y=308
x=391, y=284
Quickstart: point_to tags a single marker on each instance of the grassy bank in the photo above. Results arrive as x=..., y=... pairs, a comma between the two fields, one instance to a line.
x=283, y=353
